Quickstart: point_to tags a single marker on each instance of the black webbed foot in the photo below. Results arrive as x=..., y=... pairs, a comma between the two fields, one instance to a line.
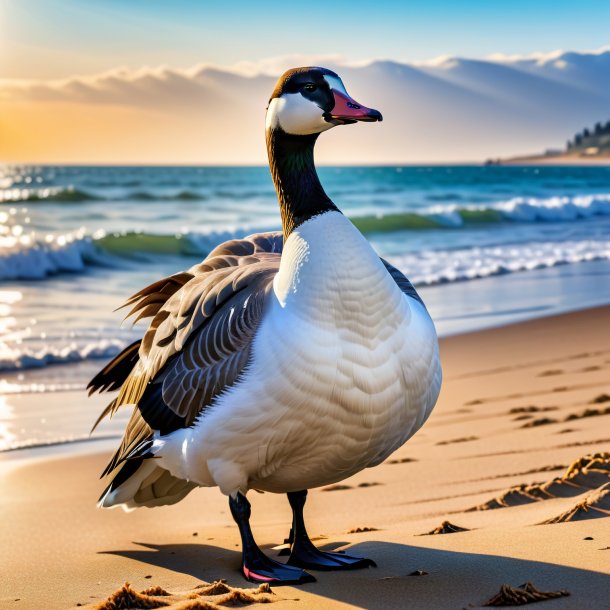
x=256, y=566
x=304, y=554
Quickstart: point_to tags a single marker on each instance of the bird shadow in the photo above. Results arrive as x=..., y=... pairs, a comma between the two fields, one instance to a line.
x=452, y=579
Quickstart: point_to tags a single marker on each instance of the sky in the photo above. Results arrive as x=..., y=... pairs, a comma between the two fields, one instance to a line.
x=50, y=40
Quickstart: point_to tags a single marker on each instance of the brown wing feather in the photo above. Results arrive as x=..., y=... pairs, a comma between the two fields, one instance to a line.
x=199, y=339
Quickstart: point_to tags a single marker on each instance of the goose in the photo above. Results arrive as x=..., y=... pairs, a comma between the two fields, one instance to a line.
x=283, y=362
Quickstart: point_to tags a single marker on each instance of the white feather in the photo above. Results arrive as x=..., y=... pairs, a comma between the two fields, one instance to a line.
x=296, y=115
x=344, y=369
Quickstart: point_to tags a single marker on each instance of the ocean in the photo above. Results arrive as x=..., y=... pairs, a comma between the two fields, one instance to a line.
x=485, y=246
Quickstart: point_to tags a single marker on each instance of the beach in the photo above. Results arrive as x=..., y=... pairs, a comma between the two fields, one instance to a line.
x=519, y=404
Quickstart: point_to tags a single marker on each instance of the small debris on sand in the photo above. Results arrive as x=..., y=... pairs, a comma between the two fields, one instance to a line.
x=530, y=409
x=219, y=595
x=156, y=591
x=418, y=573
x=401, y=461
x=524, y=594
x=127, y=597
x=588, y=538
x=588, y=413
x=372, y=484
x=446, y=528
x=360, y=530
x=464, y=439
x=550, y=373
x=336, y=488
x=541, y=421
x=600, y=398
x=218, y=587
x=237, y=596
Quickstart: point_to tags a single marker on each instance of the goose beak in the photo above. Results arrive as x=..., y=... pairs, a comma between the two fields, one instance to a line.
x=347, y=110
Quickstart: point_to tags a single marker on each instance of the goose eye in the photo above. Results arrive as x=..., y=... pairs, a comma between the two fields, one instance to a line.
x=310, y=87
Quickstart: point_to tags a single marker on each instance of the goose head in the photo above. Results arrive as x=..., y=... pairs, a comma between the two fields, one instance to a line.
x=308, y=101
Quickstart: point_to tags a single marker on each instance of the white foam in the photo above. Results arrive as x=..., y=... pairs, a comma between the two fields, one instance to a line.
x=18, y=358
x=440, y=266
x=528, y=209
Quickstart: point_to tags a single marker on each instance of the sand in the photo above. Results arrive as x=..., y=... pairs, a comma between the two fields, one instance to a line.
x=58, y=550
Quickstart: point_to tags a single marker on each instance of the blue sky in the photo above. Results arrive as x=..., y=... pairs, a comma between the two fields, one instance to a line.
x=57, y=38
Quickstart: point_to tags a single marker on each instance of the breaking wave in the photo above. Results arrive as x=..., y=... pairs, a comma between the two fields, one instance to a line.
x=25, y=358
x=432, y=267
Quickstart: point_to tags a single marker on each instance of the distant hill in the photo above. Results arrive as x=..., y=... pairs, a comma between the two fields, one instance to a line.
x=445, y=110
x=587, y=146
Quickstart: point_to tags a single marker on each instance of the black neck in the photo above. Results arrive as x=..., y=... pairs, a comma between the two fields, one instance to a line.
x=298, y=187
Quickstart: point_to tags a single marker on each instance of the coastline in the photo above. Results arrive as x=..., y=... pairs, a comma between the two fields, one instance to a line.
x=554, y=160
x=471, y=450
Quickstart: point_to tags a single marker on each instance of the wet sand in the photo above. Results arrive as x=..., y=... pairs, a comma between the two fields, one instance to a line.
x=519, y=405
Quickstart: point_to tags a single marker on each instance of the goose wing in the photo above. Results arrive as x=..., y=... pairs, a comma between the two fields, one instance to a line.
x=402, y=282
x=198, y=341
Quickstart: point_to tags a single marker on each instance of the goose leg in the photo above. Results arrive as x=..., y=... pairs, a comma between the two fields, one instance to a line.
x=305, y=555
x=256, y=566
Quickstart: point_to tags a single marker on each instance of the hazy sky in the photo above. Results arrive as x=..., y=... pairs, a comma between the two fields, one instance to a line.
x=57, y=38
x=47, y=40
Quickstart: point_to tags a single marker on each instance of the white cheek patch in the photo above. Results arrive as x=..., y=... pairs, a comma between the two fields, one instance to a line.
x=296, y=114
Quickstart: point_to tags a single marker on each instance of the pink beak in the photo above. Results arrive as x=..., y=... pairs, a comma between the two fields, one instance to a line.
x=347, y=110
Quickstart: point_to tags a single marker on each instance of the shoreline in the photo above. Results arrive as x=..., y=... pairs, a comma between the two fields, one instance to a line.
x=458, y=308
x=552, y=160
x=476, y=445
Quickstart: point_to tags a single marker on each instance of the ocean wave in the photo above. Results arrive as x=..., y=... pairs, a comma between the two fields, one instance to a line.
x=25, y=257
x=518, y=209
x=19, y=358
x=11, y=388
x=70, y=194
x=28, y=257
x=426, y=268
x=433, y=267
x=62, y=440
x=450, y=211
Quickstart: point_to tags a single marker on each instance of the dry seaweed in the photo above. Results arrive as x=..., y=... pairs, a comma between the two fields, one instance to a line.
x=127, y=598
x=464, y=439
x=218, y=587
x=401, y=461
x=530, y=409
x=237, y=596
x=600, y=398
x=336, y=487
x=541, y=421
x=596, y=504
x=588, y=472
x=360, y=530
x=524, y=594
x=155, y=591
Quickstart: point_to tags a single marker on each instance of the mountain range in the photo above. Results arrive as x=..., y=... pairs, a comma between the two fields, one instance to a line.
x=449, y=109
